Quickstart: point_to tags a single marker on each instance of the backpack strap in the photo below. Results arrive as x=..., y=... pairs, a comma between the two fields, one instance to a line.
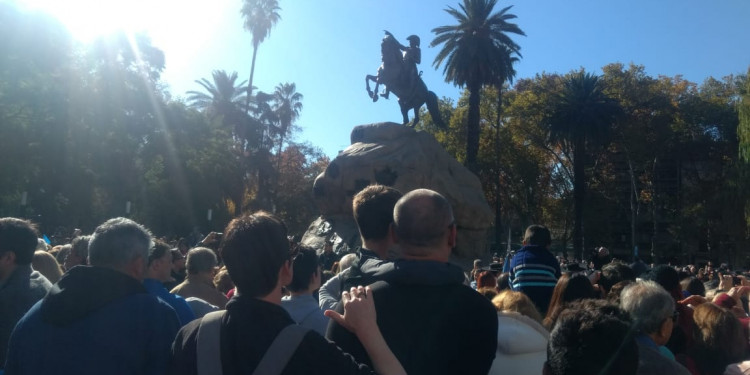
x=209, y=344
x=278, y=354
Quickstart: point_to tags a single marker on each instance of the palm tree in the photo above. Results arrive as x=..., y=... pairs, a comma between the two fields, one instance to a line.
x=221, y=94
x=287, y=104
x=475, y=54
x=582, y=116
x=222, y=97
x=260, y=18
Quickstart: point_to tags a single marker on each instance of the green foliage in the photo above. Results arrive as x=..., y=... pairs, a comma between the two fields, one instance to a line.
x=665, y=178
x=477, y=51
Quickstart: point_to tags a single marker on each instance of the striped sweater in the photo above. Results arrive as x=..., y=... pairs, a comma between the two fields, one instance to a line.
x=534, y=271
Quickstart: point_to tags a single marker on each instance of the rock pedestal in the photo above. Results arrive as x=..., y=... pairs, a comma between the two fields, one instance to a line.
x=398, y=156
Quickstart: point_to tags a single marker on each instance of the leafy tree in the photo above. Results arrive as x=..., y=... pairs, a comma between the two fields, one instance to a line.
x=582, y=115
x=476, y=52
x=260, y=17
x=299, y=165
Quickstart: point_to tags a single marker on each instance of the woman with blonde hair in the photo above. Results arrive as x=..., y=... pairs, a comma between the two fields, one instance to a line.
x=47, y=265
x=521, y=338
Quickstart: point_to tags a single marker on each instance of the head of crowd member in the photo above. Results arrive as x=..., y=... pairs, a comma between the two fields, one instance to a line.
x=693, y=286
x=256, y=253
x=537, y=235
x=613, y=273
x=616, y=291
x=122, y=245
x=719, y=339
x=178, y=261
x=201, y=264
x=651, y=308
x=183, y=246
x=79, y=252
x=160, y=262
x=306, y=275
x=503, y=281
x=568, y=289
x=346, y=261
x=373, y=212
x=47, y=265
x=591, y=337
x=509, y=300
x=423, y=226
x=17, y=245
x=668, y=278
x=222, y=281
x=486, y=279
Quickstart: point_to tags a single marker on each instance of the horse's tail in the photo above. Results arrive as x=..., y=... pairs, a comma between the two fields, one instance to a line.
x=434, y=109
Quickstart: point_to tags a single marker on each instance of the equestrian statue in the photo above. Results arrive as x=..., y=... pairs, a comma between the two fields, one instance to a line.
x=398, y=73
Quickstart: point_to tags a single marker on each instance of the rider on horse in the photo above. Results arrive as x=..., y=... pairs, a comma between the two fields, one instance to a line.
x=411, y=57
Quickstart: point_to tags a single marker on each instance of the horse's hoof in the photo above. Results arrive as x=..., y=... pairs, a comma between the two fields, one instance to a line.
x=374, y=98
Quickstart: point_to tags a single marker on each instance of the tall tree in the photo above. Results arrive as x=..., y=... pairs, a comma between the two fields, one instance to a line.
x=223, y=97
x=475, y=52
x=583, y=114
x=260, y=17
x=743, y=131
x=287, y=104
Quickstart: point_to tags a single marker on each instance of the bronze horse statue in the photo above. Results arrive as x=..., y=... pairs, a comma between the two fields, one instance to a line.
x=411, y=91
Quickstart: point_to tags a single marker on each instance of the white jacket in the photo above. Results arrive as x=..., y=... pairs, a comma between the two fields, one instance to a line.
x=521, y=345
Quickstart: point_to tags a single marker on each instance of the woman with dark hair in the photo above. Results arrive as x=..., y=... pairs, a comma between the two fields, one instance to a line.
x=569, y=288
x=718, y=341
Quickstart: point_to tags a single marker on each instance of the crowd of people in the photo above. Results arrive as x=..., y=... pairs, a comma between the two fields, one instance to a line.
x=250, y=301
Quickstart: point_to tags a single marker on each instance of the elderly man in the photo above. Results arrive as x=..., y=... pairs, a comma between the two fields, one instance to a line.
x=432, y=321
x=201, y=269
x=98, y=319
x=652, y=310
x=20, y=286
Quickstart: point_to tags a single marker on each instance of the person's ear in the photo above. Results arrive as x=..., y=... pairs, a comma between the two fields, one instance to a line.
x=286, y=273
x=453, y=233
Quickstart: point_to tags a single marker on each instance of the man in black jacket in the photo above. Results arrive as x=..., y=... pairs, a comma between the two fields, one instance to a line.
x=433, y=323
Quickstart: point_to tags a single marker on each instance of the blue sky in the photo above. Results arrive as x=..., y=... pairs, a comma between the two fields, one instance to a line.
x=327, y=47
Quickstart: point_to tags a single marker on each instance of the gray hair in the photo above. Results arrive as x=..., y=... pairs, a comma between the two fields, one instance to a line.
x=648, y=305
x=117, y=242
x=200, y=259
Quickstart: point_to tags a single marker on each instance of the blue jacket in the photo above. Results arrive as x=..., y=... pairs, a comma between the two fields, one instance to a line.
x=94, y=321
x=183, y=310
x=534, y=271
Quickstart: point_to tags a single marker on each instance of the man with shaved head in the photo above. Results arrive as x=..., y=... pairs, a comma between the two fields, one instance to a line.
x=432, y=321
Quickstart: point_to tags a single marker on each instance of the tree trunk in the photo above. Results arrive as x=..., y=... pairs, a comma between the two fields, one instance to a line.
x=498, y=201
x=250, y=83
x=472, y=129
x=579, y=195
